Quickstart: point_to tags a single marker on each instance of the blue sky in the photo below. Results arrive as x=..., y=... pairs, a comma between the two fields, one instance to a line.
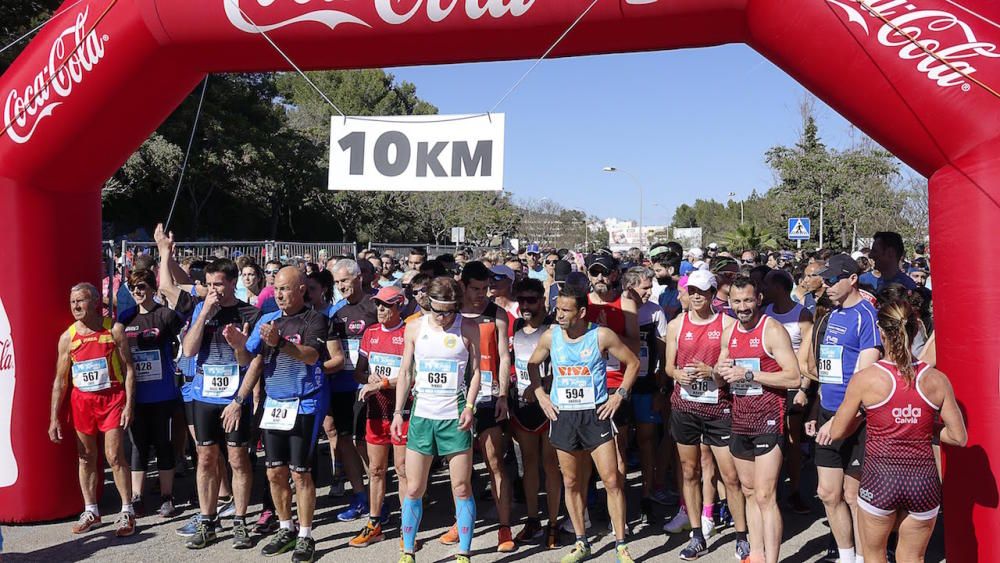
x=688, y=124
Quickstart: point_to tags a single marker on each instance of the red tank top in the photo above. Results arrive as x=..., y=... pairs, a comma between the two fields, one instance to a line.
x=609, y=315
x=899, y=429
x=757, y=409
x=700, y=342
x=95, y=358
x=489, y=353
x=383, y=347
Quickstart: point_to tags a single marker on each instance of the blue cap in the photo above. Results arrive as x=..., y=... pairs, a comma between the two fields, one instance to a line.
x=532, y=249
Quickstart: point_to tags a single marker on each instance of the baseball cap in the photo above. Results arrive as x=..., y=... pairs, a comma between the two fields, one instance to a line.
x=391, y=295
x=703, y=280
x=602, y=260
x=696, y=253
x=562, y=270
x=501, y=270
x=839, y=265
x=857, y=254
x=658, y=249
x=713, y=246
x=721, y=262
x=532, y=249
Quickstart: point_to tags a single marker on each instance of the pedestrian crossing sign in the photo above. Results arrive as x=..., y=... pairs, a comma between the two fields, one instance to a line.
x=798, y=228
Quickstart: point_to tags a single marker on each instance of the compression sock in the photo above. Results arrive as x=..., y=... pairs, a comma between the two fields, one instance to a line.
x=706, y=510
x=413, y=511
x=465, y=516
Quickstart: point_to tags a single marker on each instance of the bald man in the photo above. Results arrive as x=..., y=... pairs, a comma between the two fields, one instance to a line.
x=288, y=348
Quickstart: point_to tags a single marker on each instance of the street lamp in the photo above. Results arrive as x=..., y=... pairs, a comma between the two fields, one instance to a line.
x=733, y=194
x=642, y=235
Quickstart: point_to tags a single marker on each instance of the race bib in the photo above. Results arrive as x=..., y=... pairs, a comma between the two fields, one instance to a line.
x=485, y=386
x=147, y=365
x=831, y=364
x=91, y=375
x=703, y=391
x=350, y=347
x=574, y=388
x=279, y=415
x=437, y=377
x=523, y=379
x=747, y=388
x=643, y=360
x=220, y=381
x=385, y=365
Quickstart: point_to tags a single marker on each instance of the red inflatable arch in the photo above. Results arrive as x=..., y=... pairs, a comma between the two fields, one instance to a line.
x=102, y=76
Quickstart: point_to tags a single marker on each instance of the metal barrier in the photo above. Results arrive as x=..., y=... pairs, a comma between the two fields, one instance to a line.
x=402, y=250
x=261, y=251
x=314, y=251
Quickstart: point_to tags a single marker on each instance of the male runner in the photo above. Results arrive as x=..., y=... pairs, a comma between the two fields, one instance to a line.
x=701, y=414
x=760, y=366
x=346, y=418
x=491, y=402
x=94, y=356
x=218, y=373
x=529, y=422
x=851, y=343
x=438, y=349
x=581, y=408
x=287, y=349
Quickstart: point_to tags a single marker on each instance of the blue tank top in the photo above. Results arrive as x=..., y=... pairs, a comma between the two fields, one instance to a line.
x=579, y=371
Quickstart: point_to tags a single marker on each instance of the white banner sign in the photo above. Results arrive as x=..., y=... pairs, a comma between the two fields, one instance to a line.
x=417, y=153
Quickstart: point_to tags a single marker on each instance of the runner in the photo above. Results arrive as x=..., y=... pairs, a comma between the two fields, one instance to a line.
x=417, y=292
x=152, y=331
x=726, y=270
x=379, y=360
x=887, y=251
x=94, y=357
x=810, y=287
x=416, y=258
x=648, y=403
x=581, y=408
x=438, y=348
x=287, y=349
x=491, y=403
x=346, y=419
x=850, y=344
x=701, y=414
x=759, y=366
x=534, y=263
x=529, y=421
x=899, y=483
x=218, y=373
x=798, y=322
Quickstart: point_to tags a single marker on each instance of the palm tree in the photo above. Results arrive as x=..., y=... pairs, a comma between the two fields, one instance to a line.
x=749, y=237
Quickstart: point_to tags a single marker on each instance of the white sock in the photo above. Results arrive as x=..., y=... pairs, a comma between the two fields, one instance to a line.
x=859, y=558
x=305, y=531
x=847, y=555
x=92, y=508
x=127, y=508
x=285, y=524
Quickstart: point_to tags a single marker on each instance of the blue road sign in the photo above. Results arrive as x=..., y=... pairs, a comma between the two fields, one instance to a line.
x=798, y=228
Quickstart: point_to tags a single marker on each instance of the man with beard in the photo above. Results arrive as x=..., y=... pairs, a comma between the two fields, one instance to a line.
x=665, y=265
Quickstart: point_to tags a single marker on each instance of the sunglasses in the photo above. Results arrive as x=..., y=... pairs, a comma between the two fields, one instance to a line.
x=528, y=300
x=499, y=277
x=834, y=280
x=551, y=262
x=441, y=313
x=271, y=272
x=140, y=287
x=598, y=272
x=384, y=305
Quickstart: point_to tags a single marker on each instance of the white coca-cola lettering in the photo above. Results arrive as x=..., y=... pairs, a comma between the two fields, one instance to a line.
x=393, y=12
x=67, y=66
x=8, y=382
x=937, y=31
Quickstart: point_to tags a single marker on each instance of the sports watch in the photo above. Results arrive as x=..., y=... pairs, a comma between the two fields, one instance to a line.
x=623, y=393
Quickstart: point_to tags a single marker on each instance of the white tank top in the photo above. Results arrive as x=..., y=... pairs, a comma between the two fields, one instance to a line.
x=439, y=361
x=790, y=321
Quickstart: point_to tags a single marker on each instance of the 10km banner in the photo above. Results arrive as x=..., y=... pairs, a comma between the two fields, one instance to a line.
x=417, y=153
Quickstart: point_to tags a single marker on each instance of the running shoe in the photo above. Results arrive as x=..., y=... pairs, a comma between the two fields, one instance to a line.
x=462, y=558
x=742, y=549
x=407, y=558
x=646, y=512
x=267, y=523
x=679, y=523
x=190, y=527
x=204, y=534
x=622, y=555
x=725, y=517
x=125, y=524
x=663, y=498
x=86, y=521
x=167, y=508
x=695, y=549
x=451, y=536
x=505, y=543
x=798, y=505
x=707, y=526
x=567, y=525
x=305, y=550
x=581, y=552
x=832, y=553
x=532, y=529
x=138, y=507
x=336, y=489
x=281, y=542
x=370, y=534
x=226, y=509
x=552, y=537
x=357, y=509
x=241, y=534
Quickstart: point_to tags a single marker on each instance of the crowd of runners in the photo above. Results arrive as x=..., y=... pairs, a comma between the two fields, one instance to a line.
x=713, y=372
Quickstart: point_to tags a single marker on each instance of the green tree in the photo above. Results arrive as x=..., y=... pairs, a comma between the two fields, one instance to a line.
x=749, y=237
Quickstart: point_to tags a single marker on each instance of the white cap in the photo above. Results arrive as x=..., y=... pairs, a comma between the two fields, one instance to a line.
x=696, y=253
x=713, y=246
x=703, y=280
x=699, y=265
x=857, y=254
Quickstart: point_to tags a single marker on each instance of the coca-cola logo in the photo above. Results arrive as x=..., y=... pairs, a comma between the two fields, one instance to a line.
x=251, y=16
x=936, y=31
x=72, y=56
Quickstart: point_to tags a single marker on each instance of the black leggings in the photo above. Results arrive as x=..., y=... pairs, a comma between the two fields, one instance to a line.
x=151, y=427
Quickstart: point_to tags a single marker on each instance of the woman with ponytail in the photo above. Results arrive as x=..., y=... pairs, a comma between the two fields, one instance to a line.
x=900, y=397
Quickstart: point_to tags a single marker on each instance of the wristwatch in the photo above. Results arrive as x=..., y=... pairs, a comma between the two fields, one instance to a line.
x=623, y=393
x=748, y=376
x=239, y=400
